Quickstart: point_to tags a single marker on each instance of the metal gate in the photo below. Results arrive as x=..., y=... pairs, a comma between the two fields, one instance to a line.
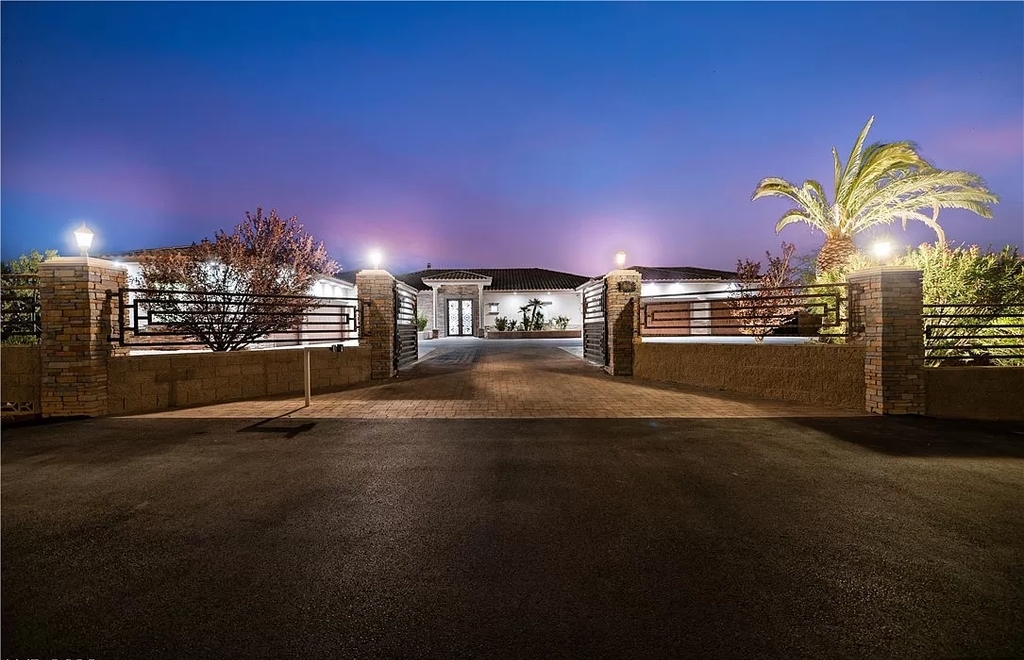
x=595, y=326
x=406, y=330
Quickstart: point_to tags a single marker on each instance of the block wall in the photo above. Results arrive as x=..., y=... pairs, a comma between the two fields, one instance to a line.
x=142, y=383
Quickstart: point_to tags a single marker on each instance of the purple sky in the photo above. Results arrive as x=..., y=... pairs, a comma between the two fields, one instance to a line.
x=490, y=135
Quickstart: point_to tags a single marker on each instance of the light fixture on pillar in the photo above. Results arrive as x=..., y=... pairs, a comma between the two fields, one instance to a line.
x=882, y=249
x=375, y=258
x=620, y=258
x=83, y=236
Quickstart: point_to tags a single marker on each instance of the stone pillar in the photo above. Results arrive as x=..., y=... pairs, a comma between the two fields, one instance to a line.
x=622, y=315
x=377, y=306
x=78, y=311
x=887, y=302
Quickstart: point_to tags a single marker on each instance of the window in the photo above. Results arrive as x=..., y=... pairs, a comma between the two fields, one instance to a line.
x=492, y=308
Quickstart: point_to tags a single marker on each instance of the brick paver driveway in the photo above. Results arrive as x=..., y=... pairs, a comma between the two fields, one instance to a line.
x=475, y=378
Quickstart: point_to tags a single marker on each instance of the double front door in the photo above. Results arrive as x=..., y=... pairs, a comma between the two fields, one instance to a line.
x=460, y=318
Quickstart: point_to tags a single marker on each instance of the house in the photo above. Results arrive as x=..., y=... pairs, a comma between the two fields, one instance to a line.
x=466, y=301
x=683, y=300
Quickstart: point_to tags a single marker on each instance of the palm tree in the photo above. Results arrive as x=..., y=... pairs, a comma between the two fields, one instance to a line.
x=878, y=185
x=534, y=306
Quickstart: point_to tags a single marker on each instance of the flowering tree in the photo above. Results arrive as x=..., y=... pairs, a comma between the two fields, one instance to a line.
x=765, y=300
x=239, y=287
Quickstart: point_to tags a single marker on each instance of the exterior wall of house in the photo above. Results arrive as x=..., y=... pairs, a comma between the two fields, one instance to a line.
x=563, y=303
x=141, y=383
x=669, y=288
x=425, y=307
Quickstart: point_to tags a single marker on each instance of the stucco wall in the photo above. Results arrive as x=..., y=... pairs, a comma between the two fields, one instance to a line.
x=141, y=383
x=824, y=374
x=975, y=392
x=563, y=303
x=678, y=288
x=20, y=379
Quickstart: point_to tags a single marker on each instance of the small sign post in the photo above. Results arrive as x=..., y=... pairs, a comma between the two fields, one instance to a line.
x=305, y=373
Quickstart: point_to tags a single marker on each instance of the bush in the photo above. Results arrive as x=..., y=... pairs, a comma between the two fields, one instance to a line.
x=421, y=322
x=561, y=322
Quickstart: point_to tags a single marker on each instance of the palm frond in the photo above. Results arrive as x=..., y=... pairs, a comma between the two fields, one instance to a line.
x=773, y=186
x=853, y=163
x=796, y=215
x=837, y=165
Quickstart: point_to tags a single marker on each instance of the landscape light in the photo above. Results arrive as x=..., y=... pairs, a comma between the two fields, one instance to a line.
x=375, y=258
x=83, y=236
x=620, y=258
x=881, y=249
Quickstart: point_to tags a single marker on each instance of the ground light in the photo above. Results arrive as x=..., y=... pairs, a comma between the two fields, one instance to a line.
x=83, y=236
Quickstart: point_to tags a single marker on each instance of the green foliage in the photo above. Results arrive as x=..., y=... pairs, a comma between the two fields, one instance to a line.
x=877, y=185
x=27, y=263
x=20, y=306
x=561, y=322
x=966, y=275
x=501, y=324
x=421, y=322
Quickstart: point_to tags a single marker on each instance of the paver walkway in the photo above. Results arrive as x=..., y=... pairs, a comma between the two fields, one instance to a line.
x=511, y=379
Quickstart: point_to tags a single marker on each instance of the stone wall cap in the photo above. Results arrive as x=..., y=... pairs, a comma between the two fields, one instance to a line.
x=83, y=261
x=882, y=270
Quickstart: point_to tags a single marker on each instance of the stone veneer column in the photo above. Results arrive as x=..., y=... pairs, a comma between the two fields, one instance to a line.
x=622, y=319
x=887, y=302
x=377, y=305
x=77, y=316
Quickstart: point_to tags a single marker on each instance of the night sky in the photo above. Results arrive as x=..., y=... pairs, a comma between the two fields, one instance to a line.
x=491, y=135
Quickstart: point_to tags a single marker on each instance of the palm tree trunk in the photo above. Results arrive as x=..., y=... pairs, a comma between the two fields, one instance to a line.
x=835, y=253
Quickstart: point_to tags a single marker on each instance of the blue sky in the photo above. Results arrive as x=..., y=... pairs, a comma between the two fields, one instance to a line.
x=493, y=134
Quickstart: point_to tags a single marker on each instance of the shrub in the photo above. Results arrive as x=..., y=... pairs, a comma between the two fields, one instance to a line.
x=561, y=322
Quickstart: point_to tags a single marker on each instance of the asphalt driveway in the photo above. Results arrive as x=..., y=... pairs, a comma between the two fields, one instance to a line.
x=512, y=538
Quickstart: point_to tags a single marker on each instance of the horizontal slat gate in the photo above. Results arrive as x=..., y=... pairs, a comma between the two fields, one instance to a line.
x=595, y=328
x=406, y=346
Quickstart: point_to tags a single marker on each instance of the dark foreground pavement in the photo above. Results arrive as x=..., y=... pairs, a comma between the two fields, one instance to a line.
x=854, y=537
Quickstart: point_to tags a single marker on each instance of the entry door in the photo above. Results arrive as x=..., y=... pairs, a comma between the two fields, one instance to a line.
x=460, y=318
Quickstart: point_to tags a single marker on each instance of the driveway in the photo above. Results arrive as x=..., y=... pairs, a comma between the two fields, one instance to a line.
x=723, y=536
x=539, y=378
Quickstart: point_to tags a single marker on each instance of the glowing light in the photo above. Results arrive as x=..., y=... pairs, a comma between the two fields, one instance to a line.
x=620, y=258
x=376, y=257
x=881, y=249
x=83, y=236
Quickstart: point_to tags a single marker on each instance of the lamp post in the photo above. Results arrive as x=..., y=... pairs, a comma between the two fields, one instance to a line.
x=620, y=259
x=83, y=236
x=375, y=258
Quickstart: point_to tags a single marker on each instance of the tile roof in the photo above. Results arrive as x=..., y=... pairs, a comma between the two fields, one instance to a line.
x=457, y=275
x=130, y=254
x=677, y=273
x=504, y=279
